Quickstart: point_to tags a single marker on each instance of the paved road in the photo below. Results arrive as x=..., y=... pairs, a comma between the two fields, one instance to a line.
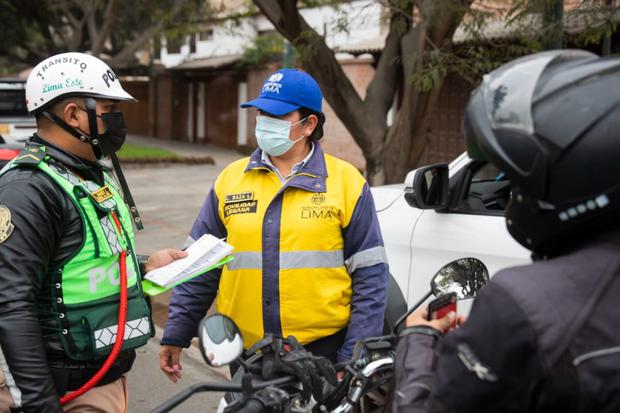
x=168, y=198
x=148, y=387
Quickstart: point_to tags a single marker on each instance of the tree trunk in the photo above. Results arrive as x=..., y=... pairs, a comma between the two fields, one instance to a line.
x=388, y=151
x=364, y=119
x=407, y=138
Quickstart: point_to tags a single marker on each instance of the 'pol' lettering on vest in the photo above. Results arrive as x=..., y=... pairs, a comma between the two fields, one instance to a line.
x=110, y=276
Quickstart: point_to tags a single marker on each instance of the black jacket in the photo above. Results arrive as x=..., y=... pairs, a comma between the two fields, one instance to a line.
x=540, y=338
x=47, y=231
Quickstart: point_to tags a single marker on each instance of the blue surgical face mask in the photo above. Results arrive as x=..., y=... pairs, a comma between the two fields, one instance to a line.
x=272, y=135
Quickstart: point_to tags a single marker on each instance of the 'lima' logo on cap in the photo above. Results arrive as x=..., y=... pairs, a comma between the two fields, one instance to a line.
x=276, y=77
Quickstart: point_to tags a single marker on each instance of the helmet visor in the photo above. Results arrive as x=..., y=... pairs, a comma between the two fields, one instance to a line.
x=509, y=91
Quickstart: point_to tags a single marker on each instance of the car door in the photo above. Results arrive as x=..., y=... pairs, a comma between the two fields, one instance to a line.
x=473, y=225
x=397, y=220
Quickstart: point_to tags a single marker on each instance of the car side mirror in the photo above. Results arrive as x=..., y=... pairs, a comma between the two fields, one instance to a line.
x=427, y=187
x=465, y=277
x=220, y=340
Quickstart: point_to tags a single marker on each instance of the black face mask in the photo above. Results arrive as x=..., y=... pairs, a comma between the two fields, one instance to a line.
x=113, y=138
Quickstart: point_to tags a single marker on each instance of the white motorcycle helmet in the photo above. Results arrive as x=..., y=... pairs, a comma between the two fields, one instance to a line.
x=71, y=74
x=77, y=74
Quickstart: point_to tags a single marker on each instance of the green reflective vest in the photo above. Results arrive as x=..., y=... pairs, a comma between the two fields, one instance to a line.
x=85, y=289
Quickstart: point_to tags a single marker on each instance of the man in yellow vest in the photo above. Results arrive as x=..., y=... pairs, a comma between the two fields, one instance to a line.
x=309, y=256
x=67, y=253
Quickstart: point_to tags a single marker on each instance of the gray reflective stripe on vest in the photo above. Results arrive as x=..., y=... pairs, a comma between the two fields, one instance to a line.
x=311, y=259
x=16, y=393
x=107, y=224
x=88, y=186
x=134, y=328
x=289, y=260
x=246, y=261
x=366, y=258
x=65, y=174
x=91, y=187
x=110, y=234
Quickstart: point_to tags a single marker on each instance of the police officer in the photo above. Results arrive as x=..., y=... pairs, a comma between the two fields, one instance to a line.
x=67, y=255
x=542, y=337
x=309, y=257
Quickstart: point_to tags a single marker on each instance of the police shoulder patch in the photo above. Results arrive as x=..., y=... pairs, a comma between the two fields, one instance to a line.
x=31, y=155
x=6, y=226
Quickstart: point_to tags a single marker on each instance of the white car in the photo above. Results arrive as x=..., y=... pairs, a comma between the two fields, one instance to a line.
x=16, y=125
x=440, y=214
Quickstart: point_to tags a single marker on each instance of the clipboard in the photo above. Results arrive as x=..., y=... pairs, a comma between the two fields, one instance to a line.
x=152, y=289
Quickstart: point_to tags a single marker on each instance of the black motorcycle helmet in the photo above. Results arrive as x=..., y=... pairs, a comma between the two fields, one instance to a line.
x=551, y=122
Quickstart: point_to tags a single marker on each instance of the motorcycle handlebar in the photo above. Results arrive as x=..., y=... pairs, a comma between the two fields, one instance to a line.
x=220, y=387
x=253, y=406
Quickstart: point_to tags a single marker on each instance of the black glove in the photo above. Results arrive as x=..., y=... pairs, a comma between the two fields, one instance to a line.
x=268, y=400
x=336, y=394
x=295, y=360
x=287, y=356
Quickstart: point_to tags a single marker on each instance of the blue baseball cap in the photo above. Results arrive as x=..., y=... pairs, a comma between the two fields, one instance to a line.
x=287, y=90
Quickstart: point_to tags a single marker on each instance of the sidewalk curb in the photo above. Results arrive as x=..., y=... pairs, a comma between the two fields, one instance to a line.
x=190, y=160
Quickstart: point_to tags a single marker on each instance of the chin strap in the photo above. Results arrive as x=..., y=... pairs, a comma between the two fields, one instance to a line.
x=120, y=331
x=69, y=129
x=128, y=198
x=115, y=163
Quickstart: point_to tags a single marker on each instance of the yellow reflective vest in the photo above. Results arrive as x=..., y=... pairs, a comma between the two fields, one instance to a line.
x=296, y=249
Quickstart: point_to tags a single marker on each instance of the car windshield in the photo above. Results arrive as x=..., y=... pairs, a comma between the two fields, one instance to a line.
x=13, y=100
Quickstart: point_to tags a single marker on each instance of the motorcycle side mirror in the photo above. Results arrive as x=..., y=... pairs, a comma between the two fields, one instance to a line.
x=465, y=277
x=221, y=342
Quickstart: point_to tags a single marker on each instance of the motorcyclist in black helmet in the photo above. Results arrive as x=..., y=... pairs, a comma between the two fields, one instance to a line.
x=545, y=336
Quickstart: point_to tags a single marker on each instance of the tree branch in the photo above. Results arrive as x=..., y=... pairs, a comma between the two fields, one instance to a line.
x=383, y=86
x=48, y=37
x=126, y=53
x=71, y=38
x=90, y=15
x=77, y=29
x=322, y=64
x=108, y=21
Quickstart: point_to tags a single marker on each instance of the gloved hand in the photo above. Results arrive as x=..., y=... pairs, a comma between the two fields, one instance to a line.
x=293, y=359
x=336, y=394
x=287, y=356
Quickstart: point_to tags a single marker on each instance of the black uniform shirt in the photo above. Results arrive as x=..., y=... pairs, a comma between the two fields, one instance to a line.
x=47, y=230
x=540, y=338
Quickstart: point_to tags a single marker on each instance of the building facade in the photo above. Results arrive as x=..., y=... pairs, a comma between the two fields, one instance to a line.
x=194, y=95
